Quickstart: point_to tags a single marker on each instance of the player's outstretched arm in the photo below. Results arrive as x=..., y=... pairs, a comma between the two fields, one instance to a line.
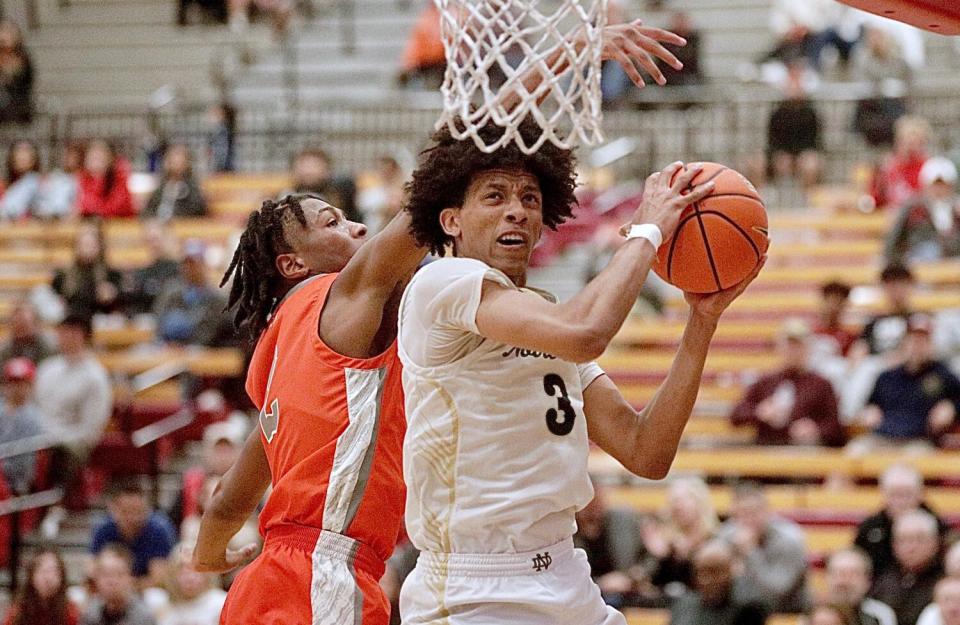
x=234, y=500
x=632, y=45
x=646, y=442
x=580, y=329
x=383, y=262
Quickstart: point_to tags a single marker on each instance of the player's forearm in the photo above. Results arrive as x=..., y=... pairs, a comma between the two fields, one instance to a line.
x=604, y=303
x=664, y=418
x=220, y=523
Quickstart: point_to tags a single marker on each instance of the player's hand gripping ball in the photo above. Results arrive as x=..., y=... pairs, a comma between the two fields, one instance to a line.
x=720, y=239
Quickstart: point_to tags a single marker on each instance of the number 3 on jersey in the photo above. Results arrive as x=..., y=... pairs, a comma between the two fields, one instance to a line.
x=269, y=421
x=560, y=419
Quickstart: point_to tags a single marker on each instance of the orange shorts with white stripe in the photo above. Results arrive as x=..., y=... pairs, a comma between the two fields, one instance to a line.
x=309, y=577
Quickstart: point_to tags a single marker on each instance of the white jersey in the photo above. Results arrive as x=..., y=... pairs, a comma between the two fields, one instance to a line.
x=495, y=455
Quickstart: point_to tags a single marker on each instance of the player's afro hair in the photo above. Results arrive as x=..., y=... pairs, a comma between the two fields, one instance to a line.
x=447, y=167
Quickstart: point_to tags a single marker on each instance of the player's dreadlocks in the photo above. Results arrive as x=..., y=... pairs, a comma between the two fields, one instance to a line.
x=256, y=284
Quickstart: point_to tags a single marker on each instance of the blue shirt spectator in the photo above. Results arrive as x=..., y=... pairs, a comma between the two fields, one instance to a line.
x=149, y=535
x=907, y=398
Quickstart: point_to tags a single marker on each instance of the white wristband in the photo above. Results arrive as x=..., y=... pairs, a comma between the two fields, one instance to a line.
x=650, y=232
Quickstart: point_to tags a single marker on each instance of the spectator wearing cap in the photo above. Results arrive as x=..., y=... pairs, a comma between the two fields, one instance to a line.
x=793, y=405
x=912, y=404
x=222, y=442
x=928, y=226
x=19, y=419
x=73, y=389
x=831, y=329
x=189, y=311
x=26, y=339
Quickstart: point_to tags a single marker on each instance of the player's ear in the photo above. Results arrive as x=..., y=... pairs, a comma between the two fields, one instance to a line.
x=450, y=221
x=291, y=267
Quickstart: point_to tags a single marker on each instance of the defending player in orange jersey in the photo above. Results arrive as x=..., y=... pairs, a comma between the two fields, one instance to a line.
x=322, y=306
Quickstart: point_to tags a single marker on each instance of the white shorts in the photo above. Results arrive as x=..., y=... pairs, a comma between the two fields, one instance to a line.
x=551, y=586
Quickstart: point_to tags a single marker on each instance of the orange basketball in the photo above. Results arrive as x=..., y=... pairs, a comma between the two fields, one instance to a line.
x=720, y=239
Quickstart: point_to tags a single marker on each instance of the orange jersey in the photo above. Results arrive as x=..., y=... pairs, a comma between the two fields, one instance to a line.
x=332, y=427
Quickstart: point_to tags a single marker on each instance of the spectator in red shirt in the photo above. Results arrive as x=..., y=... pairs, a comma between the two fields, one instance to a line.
x=424, y=60
x=103, y=183
x=835, y=336
x=898, y=178
x=792, y=406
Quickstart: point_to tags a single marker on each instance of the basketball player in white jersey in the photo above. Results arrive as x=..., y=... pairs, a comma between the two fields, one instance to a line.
x=502, y=394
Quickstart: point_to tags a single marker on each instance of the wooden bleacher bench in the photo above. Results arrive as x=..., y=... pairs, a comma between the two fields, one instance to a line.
x=658, y=362
x=809, y=278
x=789, y=500
x=211, y=362
x=786, y=463
x=806, y=302
x=268, y=183
x=642, y=616
x=872, y=225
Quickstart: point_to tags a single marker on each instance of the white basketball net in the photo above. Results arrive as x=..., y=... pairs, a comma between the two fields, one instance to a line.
x=482, y=36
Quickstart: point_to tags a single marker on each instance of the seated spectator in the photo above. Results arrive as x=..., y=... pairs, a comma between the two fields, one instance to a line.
x=804, y=29
x=103, y=183
x=902, y=489
x=897, y=179
x=880, y=62
x=222, y=442
x=147, y=283
x=877, y=348
x=719, y=597
x=311, y=174
x=883, y=333
x=26, y=339
x=222, y=120
x=75, y=398
x=60, y=188
x=831, y=614
x=928, y=227
x=907, y=585
x=793, y=133
x=22, y=184
x=424, y=60
x=194, y=11
x=849, y=577
x=19, y=419
x=189, y=310
x=191, y=597
x=116, y=601
x=130, y=522
x=913, y=404
x=833, y=335
x=793, y=406
x=945, y=609
x=772, y=550
x=89, y=285
x=16, y=76
x=178, y=194
x=382, y=198
x=690, y=521
x=42, y=598
x=611, y=540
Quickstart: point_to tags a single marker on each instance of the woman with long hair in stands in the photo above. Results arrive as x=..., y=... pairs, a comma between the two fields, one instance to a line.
x=42, y=599
x=103, y=183
x=21, y=183
x=89, y=285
